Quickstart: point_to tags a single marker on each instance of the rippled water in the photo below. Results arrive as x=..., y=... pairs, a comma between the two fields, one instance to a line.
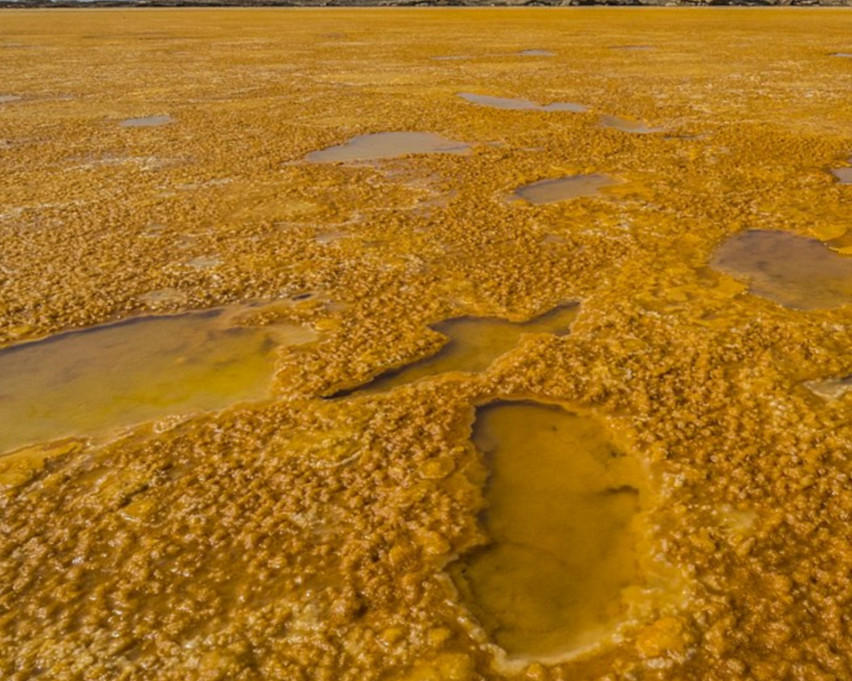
x=473, y=344
x=562, y=188
x=561, y=500
x=792, y=270
x=520, y=104
x=388, y=145
x=115, y=375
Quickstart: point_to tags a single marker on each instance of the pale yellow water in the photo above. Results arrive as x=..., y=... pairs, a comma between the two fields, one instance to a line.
x=561, y=502
x=474, y=343
x=116, y=375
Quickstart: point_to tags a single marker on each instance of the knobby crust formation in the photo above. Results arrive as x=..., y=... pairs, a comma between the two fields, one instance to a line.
x=303, y=538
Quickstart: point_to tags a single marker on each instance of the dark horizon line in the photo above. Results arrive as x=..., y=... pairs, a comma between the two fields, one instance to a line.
x=42, y=4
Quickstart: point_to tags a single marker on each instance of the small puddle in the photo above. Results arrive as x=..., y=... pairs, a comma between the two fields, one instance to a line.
x=329, y=237
x=795, y=271
x=116, y=375
x=537, y=53
x=388, y=145
x=843, y=175
x=563, y=188
x=5, y=99
x=842, y=54
x=204, y=262
x=146, y=121
x=830, y=388
x=519, y=104
x=561, y=500
x=473, y=344
x=163, y=296
x=628, y=125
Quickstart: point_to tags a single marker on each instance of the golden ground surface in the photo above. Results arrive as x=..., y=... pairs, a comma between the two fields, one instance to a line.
x=301, y=538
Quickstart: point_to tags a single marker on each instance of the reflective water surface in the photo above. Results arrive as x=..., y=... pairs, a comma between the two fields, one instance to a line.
x=520, y=104
x=843, y=175
x=830, y=388
x=146, y=121
x=115, y=375
x=792, y=270
x=562, y=188
x=628, y=125
x=474, y=343
x=388, y=145
x=561, y=500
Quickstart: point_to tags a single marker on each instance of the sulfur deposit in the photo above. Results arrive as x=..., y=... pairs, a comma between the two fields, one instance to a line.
x=158, y=162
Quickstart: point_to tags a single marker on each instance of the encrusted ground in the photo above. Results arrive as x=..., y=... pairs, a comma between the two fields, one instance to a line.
x=305, y=538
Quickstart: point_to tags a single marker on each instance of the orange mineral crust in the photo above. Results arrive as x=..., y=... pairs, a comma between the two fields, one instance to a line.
x=425, y=345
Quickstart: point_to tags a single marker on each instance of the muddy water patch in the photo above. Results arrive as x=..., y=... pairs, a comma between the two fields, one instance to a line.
x=161, y=297
x=563, y=188
x=791, y=270
x=116, y=375
x=628, y=125
x=830, y=388
x=473, y=343
x=204, y=262
x=145, y=121
x=519, y=104
x=537, y=53
x=843, y=175
x=329, y=237
x=556, y=575
x=5, y=99
x=383, y=145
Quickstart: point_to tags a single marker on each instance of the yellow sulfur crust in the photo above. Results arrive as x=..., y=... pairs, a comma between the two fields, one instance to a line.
x=301, y=538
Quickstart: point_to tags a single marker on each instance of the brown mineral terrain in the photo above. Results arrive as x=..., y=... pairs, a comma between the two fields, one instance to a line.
x=163, y=193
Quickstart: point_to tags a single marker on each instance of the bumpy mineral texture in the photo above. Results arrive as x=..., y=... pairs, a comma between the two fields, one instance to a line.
x=305, y=538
